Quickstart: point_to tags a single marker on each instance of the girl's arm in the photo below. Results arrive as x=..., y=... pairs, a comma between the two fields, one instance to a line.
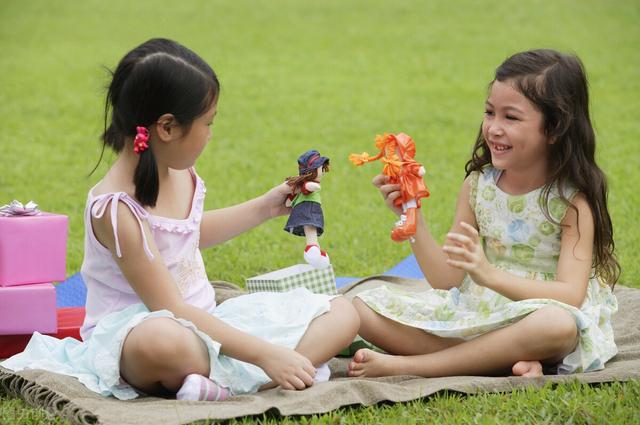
x=155, y=286
x=429, y=255
x=574, y=264
x=220, y=225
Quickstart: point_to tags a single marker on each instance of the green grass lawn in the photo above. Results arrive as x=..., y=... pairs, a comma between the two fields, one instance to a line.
x=326, y=75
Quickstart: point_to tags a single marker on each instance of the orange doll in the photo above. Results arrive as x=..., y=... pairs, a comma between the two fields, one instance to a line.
x=397, y=152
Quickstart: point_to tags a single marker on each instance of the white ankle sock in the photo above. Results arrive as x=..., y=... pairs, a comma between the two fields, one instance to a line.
x=197, y=387
x=323, y=373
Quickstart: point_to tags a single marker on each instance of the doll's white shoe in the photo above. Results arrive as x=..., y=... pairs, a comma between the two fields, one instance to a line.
x=317, y=258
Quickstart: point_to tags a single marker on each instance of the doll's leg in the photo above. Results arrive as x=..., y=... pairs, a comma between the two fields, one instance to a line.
x=152, y=361
x=312, y=252
x=406, y=228
x=546, y=335
x=311, y=235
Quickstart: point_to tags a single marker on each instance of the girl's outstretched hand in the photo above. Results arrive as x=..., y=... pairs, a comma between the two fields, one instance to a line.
x=274, y=200
x=466, y=253
x=389, y=192
x=288, y=368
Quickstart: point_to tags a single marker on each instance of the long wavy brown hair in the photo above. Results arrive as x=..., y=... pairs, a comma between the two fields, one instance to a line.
x=556, y=84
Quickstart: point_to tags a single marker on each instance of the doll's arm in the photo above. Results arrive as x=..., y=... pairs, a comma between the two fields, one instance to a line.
x=310, y=187
x=414, y=167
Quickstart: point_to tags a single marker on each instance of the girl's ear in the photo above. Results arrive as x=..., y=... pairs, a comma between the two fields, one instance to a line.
x=166, y=127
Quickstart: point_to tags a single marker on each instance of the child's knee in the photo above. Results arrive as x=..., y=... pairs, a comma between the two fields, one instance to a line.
x=561, y=323
x=360, y=306
x=164, y=341
x=558, y=327
x=365, y=313
x=349, y=318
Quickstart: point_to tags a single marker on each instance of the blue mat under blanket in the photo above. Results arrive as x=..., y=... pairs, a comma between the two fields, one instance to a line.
x=73, y=293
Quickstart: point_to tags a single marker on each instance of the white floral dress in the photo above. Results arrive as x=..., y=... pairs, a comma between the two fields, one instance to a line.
x=516, y=237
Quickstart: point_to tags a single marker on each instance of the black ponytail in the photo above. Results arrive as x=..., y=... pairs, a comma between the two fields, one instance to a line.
x=146, y=178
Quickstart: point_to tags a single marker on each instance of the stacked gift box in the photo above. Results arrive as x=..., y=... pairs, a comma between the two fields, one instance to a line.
x=319, y=281
x=33, y=250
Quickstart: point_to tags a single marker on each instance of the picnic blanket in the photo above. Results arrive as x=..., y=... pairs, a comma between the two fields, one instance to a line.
x=66, y=397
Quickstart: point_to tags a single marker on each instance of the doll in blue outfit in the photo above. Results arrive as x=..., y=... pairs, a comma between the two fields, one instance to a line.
x=306, y=218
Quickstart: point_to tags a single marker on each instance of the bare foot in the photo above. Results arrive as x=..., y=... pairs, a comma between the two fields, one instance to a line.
x=528, y=369
x=368, y=363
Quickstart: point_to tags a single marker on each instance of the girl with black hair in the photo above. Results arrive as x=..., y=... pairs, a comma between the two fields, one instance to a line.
x=152, y=325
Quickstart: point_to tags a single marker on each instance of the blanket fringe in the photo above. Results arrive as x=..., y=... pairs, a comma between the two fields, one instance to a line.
x=41, y=397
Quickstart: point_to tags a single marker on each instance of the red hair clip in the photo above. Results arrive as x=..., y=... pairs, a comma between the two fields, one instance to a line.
x=140, y=143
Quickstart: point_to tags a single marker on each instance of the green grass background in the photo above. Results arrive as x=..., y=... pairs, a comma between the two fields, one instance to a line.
x=327, y=75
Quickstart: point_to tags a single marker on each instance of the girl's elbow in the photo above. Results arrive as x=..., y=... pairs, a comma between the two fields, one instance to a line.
x=573, y=303
x=576, y=300
x=444, y=284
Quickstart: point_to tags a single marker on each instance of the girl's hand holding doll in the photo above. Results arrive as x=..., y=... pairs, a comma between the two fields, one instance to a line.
x=274, y=200
x=466, y=253
x=389, y=192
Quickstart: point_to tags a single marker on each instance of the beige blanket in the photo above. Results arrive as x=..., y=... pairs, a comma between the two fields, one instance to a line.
x=66, y=397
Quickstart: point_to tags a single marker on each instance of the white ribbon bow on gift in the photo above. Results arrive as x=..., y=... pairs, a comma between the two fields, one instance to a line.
x=15, y=208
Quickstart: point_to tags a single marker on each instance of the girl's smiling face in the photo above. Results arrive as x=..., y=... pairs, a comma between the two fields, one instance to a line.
x=513, y=130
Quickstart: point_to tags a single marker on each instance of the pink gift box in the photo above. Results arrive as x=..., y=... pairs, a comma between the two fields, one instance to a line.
x=33, y=249
x=28, y=308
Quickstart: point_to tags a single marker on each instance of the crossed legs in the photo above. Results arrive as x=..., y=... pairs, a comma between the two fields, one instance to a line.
x=544, y=336
x=154, y=363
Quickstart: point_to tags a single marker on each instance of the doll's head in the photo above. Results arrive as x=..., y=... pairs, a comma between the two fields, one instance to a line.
x=308, y=165
x=310, y=161
x=406, y=146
